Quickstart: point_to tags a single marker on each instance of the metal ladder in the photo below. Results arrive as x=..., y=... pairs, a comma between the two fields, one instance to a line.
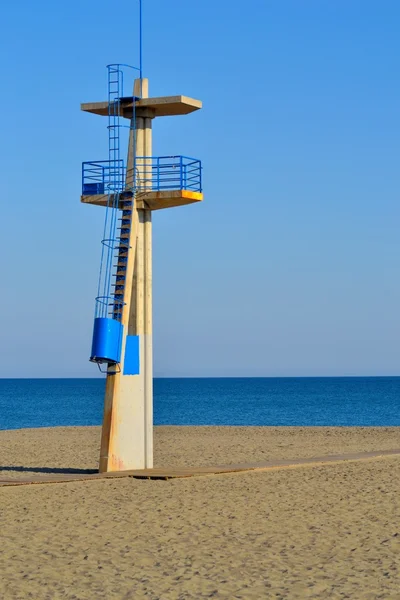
x=125, y=202
x=110, y=299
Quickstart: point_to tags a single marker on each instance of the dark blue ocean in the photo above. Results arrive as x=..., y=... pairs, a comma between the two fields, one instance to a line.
x=232, y=401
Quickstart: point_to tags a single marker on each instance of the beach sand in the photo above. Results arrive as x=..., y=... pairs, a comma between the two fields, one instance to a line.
x=329, y=531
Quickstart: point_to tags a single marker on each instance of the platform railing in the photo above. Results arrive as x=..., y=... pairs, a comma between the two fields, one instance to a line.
x=102, y=177
x=161, y=173
x=155, y=173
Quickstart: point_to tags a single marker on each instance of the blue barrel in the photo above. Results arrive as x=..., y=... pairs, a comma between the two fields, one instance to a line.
x=107, y=341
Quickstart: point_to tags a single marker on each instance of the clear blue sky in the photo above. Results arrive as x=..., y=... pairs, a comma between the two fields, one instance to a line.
x=291, y=266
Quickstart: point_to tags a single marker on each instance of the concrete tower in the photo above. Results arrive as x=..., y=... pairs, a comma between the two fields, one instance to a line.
x=131, y=191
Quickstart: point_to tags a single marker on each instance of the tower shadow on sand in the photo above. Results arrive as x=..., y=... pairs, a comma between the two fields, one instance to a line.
x=60, y=470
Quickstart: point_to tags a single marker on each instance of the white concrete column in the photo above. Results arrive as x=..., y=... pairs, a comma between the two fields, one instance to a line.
x=127, y=435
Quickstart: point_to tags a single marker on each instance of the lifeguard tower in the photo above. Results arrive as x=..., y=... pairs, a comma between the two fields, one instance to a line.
x=130, y=190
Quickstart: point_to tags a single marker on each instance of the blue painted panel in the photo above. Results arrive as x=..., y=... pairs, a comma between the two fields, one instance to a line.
x=107, y=339
x=92, y=188
x=132, y=352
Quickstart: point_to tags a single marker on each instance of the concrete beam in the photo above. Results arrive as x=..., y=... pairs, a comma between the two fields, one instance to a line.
x=164, y=106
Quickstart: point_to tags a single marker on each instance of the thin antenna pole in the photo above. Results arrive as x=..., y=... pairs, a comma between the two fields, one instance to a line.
x=140, y=40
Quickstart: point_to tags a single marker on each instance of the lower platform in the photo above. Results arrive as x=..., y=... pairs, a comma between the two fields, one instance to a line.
x=151, y=200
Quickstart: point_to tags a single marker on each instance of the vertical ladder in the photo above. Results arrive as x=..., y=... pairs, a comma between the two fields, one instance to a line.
x=125, y=197
x=110, y=302
x=115, y=90
x=122, y=258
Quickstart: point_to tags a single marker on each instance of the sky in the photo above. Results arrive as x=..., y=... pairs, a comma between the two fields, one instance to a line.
x=290, y=266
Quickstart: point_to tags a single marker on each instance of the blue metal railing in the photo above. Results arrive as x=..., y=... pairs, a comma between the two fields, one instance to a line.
x=156, y=173
x=161, y=173
x=100, y=177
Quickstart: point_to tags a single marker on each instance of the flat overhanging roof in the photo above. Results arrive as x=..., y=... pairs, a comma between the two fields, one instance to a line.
x=163, y=106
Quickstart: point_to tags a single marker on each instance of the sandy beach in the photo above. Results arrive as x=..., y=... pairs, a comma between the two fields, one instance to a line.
x=330, y=531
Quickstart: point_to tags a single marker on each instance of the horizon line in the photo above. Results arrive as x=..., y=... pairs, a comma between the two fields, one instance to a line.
x=222, y=377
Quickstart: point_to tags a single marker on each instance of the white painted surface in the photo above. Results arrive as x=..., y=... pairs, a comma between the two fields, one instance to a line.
x=127, y=441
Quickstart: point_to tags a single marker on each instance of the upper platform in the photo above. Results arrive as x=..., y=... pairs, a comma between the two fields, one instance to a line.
x=164, y=106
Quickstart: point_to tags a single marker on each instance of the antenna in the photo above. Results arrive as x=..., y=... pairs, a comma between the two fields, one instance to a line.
x=140, y=41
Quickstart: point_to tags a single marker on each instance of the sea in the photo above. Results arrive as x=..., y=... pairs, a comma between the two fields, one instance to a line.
x=307, y=401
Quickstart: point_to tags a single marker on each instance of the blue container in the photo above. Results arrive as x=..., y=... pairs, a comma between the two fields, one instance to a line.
x=91, y=189
x=107, y=341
